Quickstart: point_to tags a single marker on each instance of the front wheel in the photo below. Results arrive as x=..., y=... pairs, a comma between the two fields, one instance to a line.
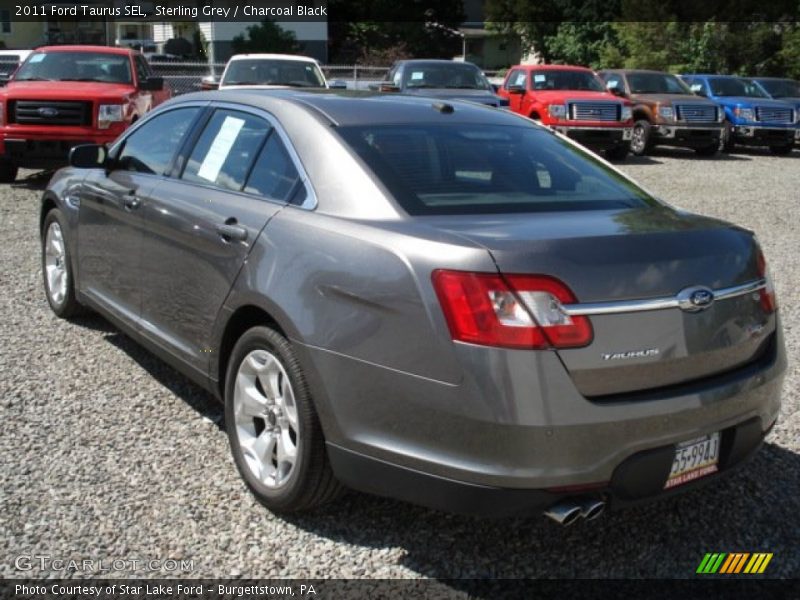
x=274, y=432
x=59, y=283
x=782, y=150
x=640, y=141
x=618, y=152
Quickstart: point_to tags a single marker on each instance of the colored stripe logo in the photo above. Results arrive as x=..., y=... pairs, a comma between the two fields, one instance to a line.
x=734, y=563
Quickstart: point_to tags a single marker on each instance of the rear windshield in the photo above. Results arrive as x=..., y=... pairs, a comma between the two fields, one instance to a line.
x=488, y=169
x=268, y=71
x=566, y=80
x=76, y=66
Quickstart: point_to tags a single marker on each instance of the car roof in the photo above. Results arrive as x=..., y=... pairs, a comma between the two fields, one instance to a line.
x=551, y=68
x=434, y=61
x=715, y=75
x=631, y=71
x=257, y=56
x=772, y=78
x=346, y=108
x=101, y=49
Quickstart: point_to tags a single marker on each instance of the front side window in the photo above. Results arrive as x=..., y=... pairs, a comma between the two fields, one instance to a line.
x=261, y=71
x=516, y=79
x=614, y=80
x=656, y=83
x=76, y=66
x=142, y=69
x=488, y=169
x=553, y=79
x=226, y=149
x=723, y=86
x=151, y=148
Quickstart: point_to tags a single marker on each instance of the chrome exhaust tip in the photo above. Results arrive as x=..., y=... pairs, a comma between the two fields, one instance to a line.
x=591, y=509
x=564, y=513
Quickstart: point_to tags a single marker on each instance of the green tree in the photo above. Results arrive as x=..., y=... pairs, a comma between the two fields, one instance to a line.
x=266, y=37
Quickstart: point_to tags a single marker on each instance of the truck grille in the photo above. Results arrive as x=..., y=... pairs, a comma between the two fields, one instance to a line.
x=595, y=111
x=49, y=112
x=783, y=116
x=695, y=113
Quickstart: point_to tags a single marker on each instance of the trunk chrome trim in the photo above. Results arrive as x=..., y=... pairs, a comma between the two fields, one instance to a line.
x=627, y=306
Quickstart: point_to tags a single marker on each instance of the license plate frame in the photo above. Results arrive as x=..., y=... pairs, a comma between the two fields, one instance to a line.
x=693, y=459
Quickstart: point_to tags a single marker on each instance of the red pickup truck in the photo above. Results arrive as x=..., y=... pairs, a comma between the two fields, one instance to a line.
x=62, y=96
x=573, y=101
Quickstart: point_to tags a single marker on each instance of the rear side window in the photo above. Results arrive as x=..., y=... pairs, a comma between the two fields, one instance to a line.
x=274, y=174
x=486, y=169
x=226, y=149
x=152, y=146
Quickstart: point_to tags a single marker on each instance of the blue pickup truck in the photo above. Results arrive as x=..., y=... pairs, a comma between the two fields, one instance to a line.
x=752, y=118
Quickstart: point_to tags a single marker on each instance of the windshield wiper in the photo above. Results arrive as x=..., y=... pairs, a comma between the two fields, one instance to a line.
x=463, y=87
x=32, y=79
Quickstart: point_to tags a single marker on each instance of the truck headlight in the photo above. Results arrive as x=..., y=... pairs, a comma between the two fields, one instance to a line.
x=745, y=114
x=626, y=114
x=666, y=113
x=109, y=113
x=557, y=111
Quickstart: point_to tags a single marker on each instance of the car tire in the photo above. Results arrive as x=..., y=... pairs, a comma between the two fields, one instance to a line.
x=782, y=150
x=619, y=152
x=640, y=140
x=273, y=429
x=59, y=282
x=710, y=150
x=8, y=172
x=726, y=142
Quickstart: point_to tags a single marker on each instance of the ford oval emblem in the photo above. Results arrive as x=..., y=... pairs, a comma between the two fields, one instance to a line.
x=47, y=111
x=695, y=299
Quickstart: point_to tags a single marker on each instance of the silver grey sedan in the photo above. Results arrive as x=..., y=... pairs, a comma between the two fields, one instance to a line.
x=435, y=301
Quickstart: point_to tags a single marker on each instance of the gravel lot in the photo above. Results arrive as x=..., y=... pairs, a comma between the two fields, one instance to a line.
x=105, y=452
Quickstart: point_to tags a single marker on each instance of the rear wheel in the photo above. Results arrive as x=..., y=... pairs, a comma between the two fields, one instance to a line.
x=8, y=172
x=618, y=152
x=640, y=141
x=274, y=432
x=782, y=150
x=59, y=283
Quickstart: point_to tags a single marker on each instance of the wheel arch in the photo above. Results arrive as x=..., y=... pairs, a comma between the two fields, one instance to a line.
x=48, y=204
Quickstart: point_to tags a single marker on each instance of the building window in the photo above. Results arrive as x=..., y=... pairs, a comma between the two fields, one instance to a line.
x=5, y=21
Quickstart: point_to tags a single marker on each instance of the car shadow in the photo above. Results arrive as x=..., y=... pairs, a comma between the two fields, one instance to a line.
x=632, y=159
x=688, y=153
x=761, y=151
x=751, y=510
x=35, y=180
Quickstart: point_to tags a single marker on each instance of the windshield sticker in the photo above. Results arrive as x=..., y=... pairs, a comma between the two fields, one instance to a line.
x=416, y=75
x=538, y=77
x=37, y=58
x=220, y=148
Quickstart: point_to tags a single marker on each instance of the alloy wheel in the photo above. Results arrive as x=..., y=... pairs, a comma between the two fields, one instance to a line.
x=266, y=421
x=55, y=264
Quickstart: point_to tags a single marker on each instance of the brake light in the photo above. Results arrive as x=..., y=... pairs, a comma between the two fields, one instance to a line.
x=511, y=311
x=767, y=297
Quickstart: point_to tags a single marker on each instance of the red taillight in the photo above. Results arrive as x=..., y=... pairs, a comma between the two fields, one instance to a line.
x=769, y=301
x=511, y=311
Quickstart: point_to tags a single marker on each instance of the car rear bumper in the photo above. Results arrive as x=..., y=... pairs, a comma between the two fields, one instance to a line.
x=686, y=136
x=600, y=138
x=528, y=438
x=758, y=135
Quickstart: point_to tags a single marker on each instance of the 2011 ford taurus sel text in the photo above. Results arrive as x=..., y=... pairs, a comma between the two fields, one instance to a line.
x=435, y=301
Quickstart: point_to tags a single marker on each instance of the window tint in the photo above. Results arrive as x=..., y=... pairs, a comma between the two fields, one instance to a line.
x=274, y=174
x=485, y=169
x=226, y=149
x=151, y=147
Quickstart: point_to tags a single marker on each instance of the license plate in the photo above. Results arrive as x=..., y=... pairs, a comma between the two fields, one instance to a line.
x=694, y=459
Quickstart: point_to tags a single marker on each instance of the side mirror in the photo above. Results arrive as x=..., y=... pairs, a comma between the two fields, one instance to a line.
x=697, y=89
x=515, y=89
x=337, y=84
x=152, y=84
x=209, y=82
x=88, y=156
x=389, y=87
x=613, y=87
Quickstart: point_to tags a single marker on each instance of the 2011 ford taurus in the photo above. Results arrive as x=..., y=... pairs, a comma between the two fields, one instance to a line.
x=434, y=301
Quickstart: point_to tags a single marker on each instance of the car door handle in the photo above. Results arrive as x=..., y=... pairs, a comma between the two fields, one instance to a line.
x=131, y=202
x=231, y=231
